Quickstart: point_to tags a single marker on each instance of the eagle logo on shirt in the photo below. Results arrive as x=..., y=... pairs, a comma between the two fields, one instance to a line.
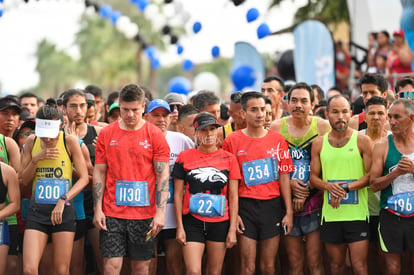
x=207, y=178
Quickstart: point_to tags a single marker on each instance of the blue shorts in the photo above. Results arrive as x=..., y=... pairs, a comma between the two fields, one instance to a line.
x=4, y=233
x=303, y=225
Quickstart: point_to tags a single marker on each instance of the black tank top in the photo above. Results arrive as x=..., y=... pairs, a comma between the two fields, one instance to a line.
x=3, y=189
x=88, y=140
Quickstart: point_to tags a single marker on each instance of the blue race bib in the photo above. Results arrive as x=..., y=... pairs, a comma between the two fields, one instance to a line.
x=350, y=198
x=208, y=205
x=401, y=204
x=49, y=190
x=131, y=193
x=302, y=169
x=260, y=171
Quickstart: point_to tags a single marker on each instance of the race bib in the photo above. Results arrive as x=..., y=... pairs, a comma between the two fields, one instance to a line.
x=131, y=193
x=208, y=205
x=260, y=171
x=350, y=198
x=302, y=169
x=401, y=204
x=49, y=190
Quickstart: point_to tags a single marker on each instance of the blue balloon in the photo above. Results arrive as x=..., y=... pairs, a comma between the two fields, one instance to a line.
x=263, y=31
x=115, y=16
x=252, y=14
x=179, y=85
x=215, y=51
x=155, y=63
x=105, y=11
x=1, y=13
x=187, y=65
x=180, y=49
x=196, y=27
x=134, y=1
x=142, y=4
x=150, y=52
x=243, y=76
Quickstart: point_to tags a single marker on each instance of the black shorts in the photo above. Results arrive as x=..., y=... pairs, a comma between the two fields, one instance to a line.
x=262, y=218
x=396, y=233
x=344, y=232
x=200, y=231
x=303, y=225
x=50, y=229
x=373, y=228
x=81, y=229
x=167, y=234
x=126, y=238
x=14, y=240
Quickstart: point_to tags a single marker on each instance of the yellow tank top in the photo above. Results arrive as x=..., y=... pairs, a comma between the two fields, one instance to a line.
x=60, y=168
x=344, y=164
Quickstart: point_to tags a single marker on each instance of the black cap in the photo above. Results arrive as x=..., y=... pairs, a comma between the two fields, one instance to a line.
x=205, y=119
x=7, y=102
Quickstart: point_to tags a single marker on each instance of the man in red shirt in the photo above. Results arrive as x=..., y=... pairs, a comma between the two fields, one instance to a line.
x=265, y=163
x=131, y=166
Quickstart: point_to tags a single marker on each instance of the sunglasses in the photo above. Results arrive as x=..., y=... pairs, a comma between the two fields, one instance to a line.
x=175, y=107
x=408, y=95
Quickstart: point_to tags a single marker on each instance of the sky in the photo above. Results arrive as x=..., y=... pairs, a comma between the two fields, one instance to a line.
x=22, y=26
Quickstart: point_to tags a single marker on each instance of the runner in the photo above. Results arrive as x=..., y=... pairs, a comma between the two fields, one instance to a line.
x=338, y=166
x=131, y=166
x=392, y=173
x=265, y=165
x=206, y=211
x=300, y=130
x=47, y=162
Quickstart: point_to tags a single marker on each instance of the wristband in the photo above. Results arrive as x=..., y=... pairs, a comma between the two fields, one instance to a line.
x=64, y=198
x=345, y=186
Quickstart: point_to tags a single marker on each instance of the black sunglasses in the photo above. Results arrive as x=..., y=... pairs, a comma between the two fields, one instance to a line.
x=175, y=106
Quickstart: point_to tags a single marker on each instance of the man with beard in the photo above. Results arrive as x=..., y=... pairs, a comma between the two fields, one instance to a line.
x=339, y=163
x=75, y=107
x=300, y=130
x=392, y=173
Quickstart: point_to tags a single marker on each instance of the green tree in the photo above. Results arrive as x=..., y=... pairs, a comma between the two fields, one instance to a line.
x=56, y=69
x=330, y=12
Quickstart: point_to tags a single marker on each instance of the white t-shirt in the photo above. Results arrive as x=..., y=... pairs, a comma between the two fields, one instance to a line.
x=178, y=142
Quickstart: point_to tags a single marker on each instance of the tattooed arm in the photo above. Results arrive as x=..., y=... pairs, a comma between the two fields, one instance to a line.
x=98, y=188
x=162, y=175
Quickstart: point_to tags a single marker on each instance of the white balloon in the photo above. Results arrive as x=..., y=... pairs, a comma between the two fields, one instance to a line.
x=207, y=81
x=168, y=10
x=158, y=22
x=178, y=6
x=176, y=21
x=122, y=23
x=131, y=31
x=151, y=11
x=185, y=16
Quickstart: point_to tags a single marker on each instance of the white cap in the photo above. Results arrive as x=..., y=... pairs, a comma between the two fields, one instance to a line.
x=47, y=128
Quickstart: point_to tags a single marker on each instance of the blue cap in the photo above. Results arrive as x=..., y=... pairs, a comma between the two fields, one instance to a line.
x=158, y=103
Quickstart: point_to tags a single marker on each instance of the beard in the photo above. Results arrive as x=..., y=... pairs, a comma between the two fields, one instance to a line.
x=340, y=126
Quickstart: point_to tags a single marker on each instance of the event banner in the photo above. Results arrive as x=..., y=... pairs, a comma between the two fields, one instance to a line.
x=245, y=54
x=314, y=54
